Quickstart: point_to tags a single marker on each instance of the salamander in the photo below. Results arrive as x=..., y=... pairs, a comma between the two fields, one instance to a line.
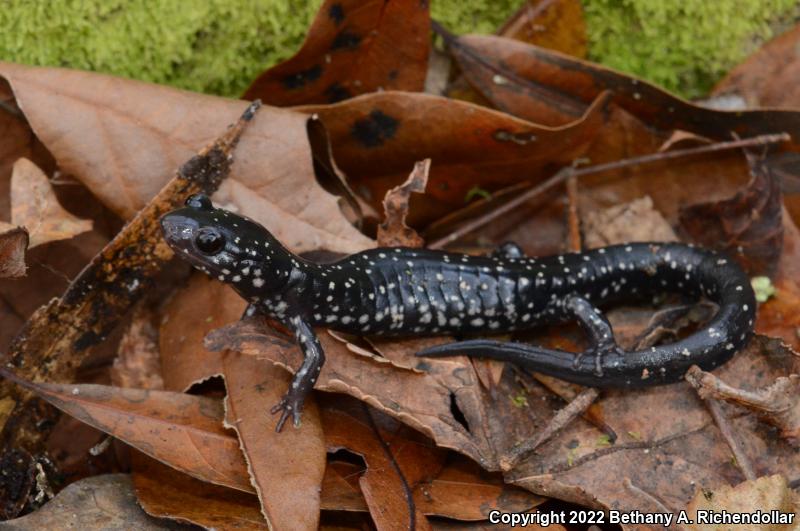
x=397, y=291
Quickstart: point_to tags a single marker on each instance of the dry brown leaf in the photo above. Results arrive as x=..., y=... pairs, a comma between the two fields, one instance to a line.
x=629, y=222
x=661, y=431
x=34, y=206
x=765, y=494
x=778, y=404
x=463, y=491
x=123, y=139
x=747, y=226
x=554, y=24
x=201, y=306
x=778, y=317
x=377, y=137
x=394, y=232
x=166, y=493
x=13, y=243
x=101, y=502
x=137, y=364
x=286, y=468
x=352, y=47
x=394, y=466
x=161, y=424
x=18, y=141
x=768, y=78
x=61, y=334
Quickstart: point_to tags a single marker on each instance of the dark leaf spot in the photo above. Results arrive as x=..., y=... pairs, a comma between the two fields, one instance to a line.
x=337, y=92
x=345, y=40
x=374, y=130
x=336, y=13
x=295, y=81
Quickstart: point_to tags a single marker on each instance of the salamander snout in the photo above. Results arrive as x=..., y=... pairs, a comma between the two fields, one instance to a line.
x=199, y=201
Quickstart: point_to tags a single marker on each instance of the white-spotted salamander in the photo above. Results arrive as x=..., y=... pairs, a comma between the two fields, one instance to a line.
x=417, y=292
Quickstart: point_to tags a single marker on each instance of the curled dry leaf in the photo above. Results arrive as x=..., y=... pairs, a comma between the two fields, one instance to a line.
x=285, y=468
x=149, y=130
x=161, y=424
x=778, y=404
x=99, y=502
x=394, y=232
x=443, y=399
x=579, y=83
x=765, y=494
x=776, y=61
x=747, y=226
x=166, y=493
x=628, y=222
x=290, y=463
x=13, y=243
x=59, y=335
x=34, y=206
x=661, y=431
x=394, y=466
x=353, y=47
x=554, y=24
x=203, y=305
x=463, y=491
x=18, y=142
x=377, y=137
x=419, y=399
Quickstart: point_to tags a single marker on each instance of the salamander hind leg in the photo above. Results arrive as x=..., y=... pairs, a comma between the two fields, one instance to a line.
x=597, y=328
x=305, y=377
x=584, y=368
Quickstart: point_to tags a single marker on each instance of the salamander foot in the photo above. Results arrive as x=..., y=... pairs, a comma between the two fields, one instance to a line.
x=290, y=404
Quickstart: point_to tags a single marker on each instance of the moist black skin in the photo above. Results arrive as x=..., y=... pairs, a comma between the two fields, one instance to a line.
x=400, y=291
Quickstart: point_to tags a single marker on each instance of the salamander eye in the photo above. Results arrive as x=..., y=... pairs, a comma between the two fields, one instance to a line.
x=209, y=241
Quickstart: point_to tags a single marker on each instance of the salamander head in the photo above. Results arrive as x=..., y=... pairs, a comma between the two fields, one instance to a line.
x=226, y=246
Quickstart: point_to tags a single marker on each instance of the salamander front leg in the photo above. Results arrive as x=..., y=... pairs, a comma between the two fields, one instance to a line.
x=306, y=375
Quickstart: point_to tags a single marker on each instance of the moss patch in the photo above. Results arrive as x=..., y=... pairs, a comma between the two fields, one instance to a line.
x=682, y=45
x=219, y=46
x=215, y=46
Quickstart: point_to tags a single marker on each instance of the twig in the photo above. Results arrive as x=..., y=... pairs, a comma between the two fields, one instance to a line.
x=561, y=419
x=566, y=173
x=573, y=222
x=659, y=504
x=742, y=461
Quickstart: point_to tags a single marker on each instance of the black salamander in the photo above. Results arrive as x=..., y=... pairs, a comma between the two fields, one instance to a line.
x=417, y=292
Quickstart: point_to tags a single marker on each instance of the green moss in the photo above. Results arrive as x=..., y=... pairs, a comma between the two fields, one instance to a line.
x=219, y=46
x=682, y=45
x=473, y=16
x=215, y=46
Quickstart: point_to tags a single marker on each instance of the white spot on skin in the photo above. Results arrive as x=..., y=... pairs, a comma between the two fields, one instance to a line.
x=258, y=282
